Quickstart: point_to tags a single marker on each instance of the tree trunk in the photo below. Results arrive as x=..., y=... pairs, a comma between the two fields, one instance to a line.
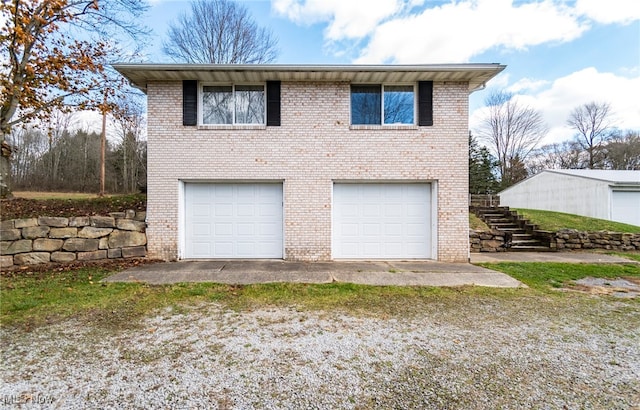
x=5, y=169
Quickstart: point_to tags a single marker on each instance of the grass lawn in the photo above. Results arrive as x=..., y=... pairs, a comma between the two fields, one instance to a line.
x=477, y=223
x=30, y=300
x=554, y=221
x=547, y=276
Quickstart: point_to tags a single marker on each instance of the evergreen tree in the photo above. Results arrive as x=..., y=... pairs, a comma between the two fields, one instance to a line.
x=482, y=166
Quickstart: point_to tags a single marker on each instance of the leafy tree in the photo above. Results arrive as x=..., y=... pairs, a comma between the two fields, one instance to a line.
x=55, y=59
x=592, y=121
x=512, y=131
x=219, y=32
x=482, y=165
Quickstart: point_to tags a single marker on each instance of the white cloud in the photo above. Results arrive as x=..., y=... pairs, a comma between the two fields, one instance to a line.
x=421, y=31
x=347, y=19
x=525, y=84
x=426, y=37
x=610, y=11
x=566, y=93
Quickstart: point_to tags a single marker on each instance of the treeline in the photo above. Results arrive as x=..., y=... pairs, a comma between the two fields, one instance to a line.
x=620, y=150
x=507, y=147
x=69, y=160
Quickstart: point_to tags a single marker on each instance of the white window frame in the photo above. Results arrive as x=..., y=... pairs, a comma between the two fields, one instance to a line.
x=233, y=113
x=382, y=123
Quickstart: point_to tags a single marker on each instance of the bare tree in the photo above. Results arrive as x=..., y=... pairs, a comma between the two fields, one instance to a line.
x=592, y=121
x=512, y=131
x=29, y=144
x=622, y=151
x=565, y=155
x=129, y=121
x=54, y=54
x=219, y=32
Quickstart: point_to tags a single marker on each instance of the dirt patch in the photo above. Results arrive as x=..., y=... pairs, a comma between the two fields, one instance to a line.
x=46, y=268
x=627, y=288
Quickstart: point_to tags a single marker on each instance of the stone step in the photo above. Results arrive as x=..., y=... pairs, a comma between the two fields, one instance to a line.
x=504, y=225
x=512, y=230
x=501, y=222
x=525, y=240
x=528, y=248
x=521, y=235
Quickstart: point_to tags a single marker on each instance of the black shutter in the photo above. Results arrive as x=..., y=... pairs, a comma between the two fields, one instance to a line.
x=273, y=103
x=425, y=103
x=189, y=102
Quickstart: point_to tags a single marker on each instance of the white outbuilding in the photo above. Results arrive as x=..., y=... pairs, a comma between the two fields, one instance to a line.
x=603, y=194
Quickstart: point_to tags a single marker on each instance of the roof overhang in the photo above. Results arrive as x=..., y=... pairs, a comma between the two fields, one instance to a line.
x=476, y=75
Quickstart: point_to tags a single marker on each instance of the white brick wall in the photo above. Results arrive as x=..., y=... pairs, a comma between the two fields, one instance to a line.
x=313, y=147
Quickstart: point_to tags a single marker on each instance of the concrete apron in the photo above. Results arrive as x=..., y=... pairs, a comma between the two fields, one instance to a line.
x=380, y=273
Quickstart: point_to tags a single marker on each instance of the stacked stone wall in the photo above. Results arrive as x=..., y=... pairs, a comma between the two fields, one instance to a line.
x=562, y=240
x=487, y=241
x=569, y=239
x=57, y=239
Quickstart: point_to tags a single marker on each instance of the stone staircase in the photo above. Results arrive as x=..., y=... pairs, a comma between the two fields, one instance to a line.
x=520, y=234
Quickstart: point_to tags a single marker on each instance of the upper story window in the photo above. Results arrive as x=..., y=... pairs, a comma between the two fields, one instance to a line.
x=382, y=105
x=233, y=104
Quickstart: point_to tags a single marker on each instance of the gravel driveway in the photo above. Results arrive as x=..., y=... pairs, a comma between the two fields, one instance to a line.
x=476, y=352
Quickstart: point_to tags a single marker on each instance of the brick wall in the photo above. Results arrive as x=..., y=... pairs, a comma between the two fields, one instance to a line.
x=313, y=147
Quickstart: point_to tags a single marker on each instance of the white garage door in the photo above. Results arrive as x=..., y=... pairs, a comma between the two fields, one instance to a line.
x=625, y=207
x=233, y=221
x=381, y=221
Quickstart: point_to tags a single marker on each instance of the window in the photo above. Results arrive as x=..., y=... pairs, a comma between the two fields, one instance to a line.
x=382, y=104
x=227, y=104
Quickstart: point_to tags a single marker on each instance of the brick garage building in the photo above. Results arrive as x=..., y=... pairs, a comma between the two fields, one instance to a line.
x=308, y=162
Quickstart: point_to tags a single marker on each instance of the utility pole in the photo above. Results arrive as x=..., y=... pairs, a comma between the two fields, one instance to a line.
x=103, y=144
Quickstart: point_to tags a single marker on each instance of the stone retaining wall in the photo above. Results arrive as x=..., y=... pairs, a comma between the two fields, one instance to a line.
x=487, y=241
x=569, y=239
x=565, y=239
x=56, y=239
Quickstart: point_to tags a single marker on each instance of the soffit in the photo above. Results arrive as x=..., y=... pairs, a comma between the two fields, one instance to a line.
x=474, y=74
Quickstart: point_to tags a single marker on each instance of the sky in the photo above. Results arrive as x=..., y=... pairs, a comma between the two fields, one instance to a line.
x=559, y=54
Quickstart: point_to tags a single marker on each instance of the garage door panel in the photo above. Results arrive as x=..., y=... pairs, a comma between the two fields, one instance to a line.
x=200, y=229
x=266, y=209
x=391, y=229
x=221, y=250
x=371, y=210
x=223, y=209
x=223, y=229
x=371, y=229
x=371, y=249
x=233, y=221
x=415, y=210
x=202, y=249
x=393, y=210
x=381, y=221
x=415, y=230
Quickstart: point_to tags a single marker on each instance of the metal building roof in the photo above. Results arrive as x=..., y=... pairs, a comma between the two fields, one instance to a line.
x=475, y=74
x=612, y=176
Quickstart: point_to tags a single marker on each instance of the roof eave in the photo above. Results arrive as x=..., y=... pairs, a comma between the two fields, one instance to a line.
x=475, y=74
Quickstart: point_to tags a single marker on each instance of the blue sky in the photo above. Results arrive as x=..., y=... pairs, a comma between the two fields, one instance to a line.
x=559, y=54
